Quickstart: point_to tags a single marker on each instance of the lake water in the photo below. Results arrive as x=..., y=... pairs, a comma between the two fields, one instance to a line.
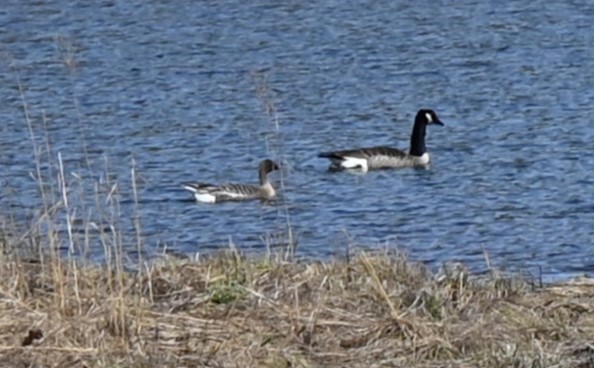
x=203, y=90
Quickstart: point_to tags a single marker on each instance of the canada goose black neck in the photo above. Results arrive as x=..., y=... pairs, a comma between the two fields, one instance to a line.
x=417, y=139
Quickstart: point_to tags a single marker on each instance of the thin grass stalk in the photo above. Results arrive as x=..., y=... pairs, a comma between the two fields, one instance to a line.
x=268, y=106
x=137, y=227
x=62, y=180
x=66, y=51
x=48, y=154
x=36, y=149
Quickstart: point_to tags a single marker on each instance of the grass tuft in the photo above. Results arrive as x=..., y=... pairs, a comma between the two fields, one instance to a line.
x=228, y=310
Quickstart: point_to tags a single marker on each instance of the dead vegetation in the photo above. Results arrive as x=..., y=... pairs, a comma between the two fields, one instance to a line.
x=230, y=311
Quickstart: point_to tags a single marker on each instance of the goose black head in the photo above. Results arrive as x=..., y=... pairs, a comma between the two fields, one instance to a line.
x=429, y=117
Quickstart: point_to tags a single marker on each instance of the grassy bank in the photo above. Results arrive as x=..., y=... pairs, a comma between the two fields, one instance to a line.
x=228, y=311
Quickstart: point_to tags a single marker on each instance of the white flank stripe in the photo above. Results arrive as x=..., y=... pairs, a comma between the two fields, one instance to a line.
x=354, y=163
x=190, y=188
x=205, y=197
x=233, y=194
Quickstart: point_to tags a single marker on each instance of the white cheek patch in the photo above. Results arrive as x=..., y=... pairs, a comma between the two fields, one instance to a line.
x=354, y=163
x=429, y=118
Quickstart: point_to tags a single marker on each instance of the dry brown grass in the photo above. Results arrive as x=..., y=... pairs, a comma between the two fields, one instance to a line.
x=229, y=311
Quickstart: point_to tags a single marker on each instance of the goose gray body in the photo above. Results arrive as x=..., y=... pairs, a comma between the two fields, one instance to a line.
x=382, y=157
x=215, y=193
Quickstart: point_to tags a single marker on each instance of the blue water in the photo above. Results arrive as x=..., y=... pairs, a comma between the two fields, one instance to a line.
x=203, y=90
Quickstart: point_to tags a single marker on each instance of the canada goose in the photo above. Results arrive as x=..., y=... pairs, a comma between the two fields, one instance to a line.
x=382, y=157
x=209, y=193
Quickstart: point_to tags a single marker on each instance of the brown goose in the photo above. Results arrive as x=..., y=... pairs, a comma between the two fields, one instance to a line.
x=210, y=193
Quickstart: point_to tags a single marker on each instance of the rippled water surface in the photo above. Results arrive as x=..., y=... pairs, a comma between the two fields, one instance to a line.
x=203, y=90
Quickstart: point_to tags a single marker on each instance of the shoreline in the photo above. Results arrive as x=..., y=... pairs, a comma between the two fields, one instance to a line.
x=226, y=310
